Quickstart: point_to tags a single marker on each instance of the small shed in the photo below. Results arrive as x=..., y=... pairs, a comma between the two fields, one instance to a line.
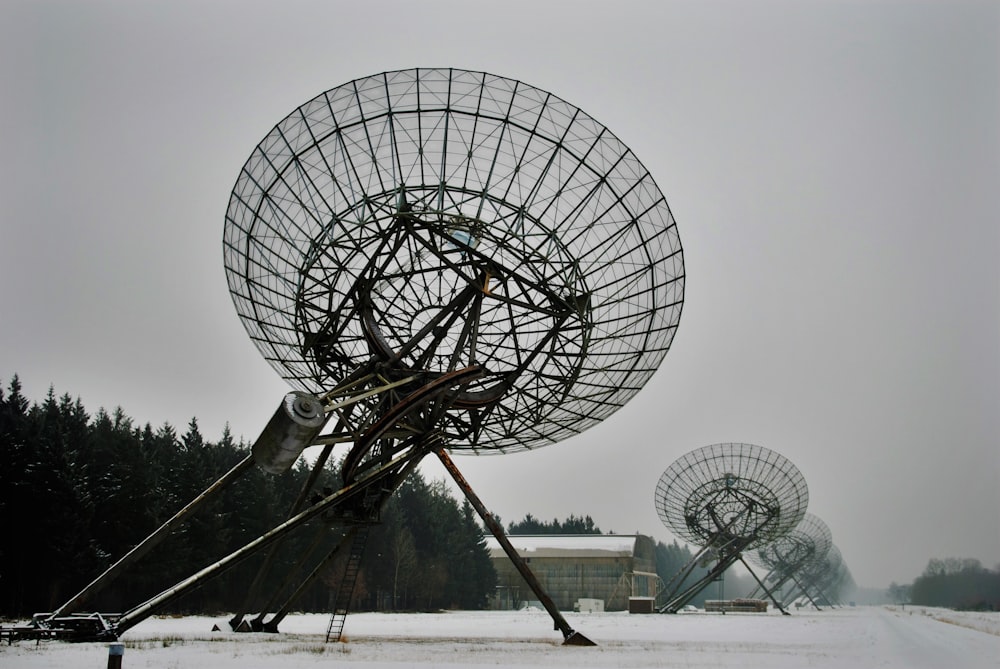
x=736, y=605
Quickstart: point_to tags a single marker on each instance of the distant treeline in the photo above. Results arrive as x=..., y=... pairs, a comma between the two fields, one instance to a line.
x=572, y=525
x=956, y=583
x=79, y=491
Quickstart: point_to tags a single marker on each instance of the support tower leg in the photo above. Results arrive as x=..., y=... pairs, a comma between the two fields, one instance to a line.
x=570, y=636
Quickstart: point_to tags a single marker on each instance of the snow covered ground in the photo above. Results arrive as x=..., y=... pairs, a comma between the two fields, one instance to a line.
x=910, y=638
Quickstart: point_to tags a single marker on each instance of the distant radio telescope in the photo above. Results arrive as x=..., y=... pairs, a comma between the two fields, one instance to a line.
x=727, y=498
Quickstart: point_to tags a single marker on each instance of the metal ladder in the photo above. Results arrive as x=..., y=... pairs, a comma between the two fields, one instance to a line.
x=346, y=589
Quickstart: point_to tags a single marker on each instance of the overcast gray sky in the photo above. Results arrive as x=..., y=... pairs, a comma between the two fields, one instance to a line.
x=833, y=167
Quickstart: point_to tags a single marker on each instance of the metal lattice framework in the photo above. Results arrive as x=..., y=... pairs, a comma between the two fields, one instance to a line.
x=437, y=219
x=824, y=578
x=805, y=545
x=829, y=565
x=734, y=491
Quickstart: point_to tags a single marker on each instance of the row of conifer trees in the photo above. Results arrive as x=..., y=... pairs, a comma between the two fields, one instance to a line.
x=78, y=491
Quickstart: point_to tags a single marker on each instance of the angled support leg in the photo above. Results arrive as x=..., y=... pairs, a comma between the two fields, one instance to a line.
x=764, y=587
x=570, y=636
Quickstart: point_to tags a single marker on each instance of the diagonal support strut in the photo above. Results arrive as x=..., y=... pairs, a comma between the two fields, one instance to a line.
x=570, y=636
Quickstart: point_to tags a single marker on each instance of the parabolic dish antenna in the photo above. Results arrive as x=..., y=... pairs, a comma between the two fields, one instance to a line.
x=434, y=259
x=430, y=220
x=731, y=490
x=727, y=498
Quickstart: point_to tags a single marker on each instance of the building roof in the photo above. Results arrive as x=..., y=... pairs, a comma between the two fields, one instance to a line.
x=567, y=545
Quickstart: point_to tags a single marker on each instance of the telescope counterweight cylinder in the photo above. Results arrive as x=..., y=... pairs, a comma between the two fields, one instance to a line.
x=295, y=425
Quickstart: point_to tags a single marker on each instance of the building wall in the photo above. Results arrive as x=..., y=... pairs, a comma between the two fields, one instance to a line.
x=575, y=575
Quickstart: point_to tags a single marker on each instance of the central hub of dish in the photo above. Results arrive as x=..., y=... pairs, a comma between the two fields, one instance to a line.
x=434, y=290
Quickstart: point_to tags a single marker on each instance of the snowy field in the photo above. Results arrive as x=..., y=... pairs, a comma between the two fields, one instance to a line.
x=910, y=638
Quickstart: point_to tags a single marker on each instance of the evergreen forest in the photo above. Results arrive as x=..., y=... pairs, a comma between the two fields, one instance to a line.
x=78, y=491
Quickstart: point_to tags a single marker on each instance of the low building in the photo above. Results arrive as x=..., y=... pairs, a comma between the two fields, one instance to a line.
x=607, y=567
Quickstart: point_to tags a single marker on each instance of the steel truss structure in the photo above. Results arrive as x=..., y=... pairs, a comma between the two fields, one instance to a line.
x=727, y=498
x=793, y=554
x=823, y=580
x=435, y=260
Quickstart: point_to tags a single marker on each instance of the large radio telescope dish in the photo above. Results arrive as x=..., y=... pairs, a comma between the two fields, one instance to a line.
x=436, y=219
x=433, y=259
x=731, y=491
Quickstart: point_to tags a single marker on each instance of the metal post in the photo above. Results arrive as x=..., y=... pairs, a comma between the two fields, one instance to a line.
x=115, y=653
x=570, y=637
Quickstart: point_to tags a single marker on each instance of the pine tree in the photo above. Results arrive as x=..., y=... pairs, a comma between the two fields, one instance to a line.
x=476, y=579
x=15, y=498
